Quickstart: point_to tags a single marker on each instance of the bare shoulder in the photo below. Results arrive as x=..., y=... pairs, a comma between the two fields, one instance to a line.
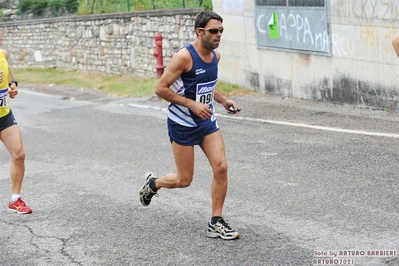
x=218, y=55
x=5, y=53
x=183, y=55
x=181, y=60
x=179, y=63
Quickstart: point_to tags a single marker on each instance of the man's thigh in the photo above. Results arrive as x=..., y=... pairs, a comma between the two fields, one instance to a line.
x=12, y=139
x=213, y=147
x=184, y=159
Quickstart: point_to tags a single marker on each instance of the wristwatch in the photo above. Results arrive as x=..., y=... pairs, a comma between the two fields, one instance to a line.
x=11, y=82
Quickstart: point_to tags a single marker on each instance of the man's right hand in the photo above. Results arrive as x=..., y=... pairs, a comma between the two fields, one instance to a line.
x=202, y=110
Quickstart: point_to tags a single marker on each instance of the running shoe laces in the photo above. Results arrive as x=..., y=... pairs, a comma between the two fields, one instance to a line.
x=221, y=229
x=146, y=193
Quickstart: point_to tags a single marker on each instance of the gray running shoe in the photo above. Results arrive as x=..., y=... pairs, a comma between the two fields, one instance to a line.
x=221, y=229
x=146, y=193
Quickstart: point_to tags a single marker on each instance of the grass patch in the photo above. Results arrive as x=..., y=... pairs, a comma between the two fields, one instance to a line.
x=232, y=89
x=118, y=85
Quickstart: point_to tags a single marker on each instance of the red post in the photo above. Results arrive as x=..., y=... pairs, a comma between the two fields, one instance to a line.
x=158, y=54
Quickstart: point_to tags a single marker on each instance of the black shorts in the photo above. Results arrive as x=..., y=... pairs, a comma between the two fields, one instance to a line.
x=7, y=121
x=190, y=136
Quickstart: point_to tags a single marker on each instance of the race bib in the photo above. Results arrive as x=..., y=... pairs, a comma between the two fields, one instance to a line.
x=3, y=98
x=205, y=92
x=3, y=101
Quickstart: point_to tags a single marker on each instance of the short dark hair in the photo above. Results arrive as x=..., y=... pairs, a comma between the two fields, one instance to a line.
x=203, y=18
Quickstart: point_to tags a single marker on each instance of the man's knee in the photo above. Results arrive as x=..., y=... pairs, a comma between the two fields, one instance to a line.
x=19, y=157
x=184, y=182
x=221, y=169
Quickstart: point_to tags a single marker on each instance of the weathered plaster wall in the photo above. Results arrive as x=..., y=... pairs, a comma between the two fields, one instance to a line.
x=362, y=71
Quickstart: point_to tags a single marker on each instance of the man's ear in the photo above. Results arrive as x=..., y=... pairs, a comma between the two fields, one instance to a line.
x=198, y=31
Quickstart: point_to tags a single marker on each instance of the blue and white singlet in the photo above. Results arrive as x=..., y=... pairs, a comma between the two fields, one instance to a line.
x=197, y=84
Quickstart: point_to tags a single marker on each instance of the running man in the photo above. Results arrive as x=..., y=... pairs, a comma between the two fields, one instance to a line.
x=10, y=134
x=192, y=75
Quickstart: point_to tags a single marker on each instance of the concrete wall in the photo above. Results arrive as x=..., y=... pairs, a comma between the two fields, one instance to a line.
x=363, y=70
x=121, y=43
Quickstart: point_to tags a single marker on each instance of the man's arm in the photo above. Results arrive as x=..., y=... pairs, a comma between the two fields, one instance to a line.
x=221, y=98
x=180, y=62
x=13, y=90
x=175, y=68
x=226, y=102
x=395, y=44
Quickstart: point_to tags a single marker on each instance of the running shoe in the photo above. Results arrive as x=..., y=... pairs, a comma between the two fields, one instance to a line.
x=19, y=206
x=146, y=193
x=221, y=229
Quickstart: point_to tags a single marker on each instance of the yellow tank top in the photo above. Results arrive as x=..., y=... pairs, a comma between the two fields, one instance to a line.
x=4, y=106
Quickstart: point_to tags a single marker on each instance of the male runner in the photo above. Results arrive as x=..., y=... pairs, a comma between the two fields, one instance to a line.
x=192, y=74
x=10, y=135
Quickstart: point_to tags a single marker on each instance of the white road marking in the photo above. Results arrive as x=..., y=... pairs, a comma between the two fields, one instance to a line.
x=334, y=129
x=39, y=93
x=148, y=107
x=284, y=123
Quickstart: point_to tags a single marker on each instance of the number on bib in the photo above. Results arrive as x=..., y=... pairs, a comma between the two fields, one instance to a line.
x=205, y=92
x=3, y=101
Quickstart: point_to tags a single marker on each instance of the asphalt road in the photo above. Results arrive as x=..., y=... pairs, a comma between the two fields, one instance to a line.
x=310, y=184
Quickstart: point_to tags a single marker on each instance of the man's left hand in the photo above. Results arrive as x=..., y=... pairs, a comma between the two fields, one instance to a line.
x=13, y=91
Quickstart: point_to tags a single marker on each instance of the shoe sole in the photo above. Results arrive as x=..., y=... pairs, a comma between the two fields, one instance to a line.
x=15, y=211
x=216, y=235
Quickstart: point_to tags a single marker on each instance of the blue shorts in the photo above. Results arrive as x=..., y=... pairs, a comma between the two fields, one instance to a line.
x=190, y=136
x=7, y=121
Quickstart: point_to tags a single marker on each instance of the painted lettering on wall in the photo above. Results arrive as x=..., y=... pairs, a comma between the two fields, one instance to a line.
x=369, y=9
x=342, y=46
x=298, y=29
x=377, y=19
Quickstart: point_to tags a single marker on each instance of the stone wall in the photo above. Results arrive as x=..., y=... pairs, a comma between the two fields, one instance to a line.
x=118, y=43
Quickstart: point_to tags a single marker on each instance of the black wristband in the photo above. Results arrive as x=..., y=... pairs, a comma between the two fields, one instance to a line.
x=11, y=82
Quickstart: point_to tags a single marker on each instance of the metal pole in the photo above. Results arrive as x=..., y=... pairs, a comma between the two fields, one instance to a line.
x=115, y=6
x=54, y=11
x=20, y=8
x=92, y=6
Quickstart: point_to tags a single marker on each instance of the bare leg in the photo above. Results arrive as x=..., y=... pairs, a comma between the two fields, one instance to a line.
x=184, y=159
x=214, y=149
x=12, y=139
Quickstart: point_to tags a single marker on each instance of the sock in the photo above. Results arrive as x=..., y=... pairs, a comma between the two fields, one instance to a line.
x=215, y=219
x=152, y=186
x=14, y=197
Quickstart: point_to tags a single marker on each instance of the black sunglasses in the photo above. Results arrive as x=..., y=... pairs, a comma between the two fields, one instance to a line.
x=213, y=31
